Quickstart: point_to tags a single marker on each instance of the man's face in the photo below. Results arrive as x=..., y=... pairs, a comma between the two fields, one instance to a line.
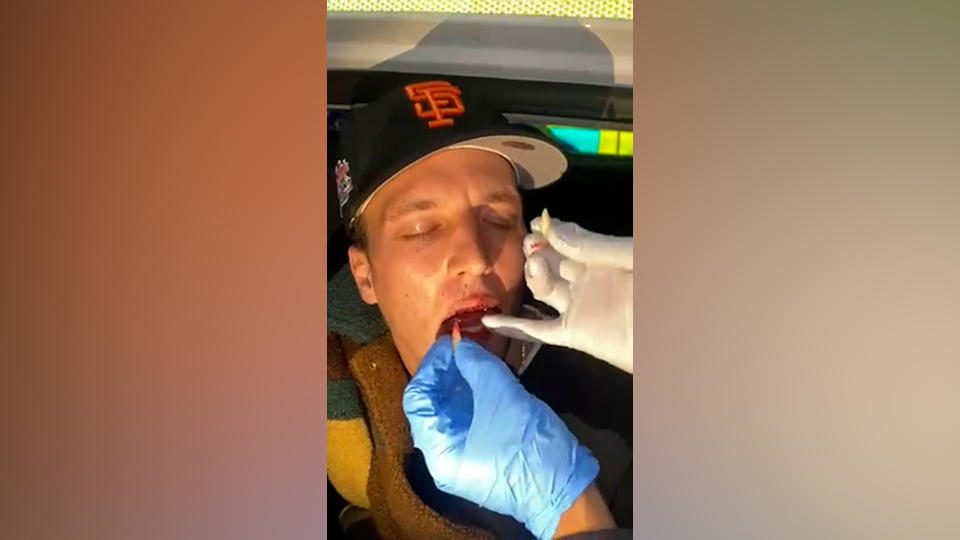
x=444, y=239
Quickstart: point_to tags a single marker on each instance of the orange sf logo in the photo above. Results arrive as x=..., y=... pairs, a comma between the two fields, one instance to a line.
x=436, y=101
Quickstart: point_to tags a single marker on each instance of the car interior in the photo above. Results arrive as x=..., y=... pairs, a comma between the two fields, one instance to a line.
x=592, y=123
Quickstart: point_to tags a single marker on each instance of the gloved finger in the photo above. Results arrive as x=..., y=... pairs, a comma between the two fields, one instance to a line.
x=438, y=359
x=548, y=331
x=534, y=242
x=567, y=269
x=545, y=285
x=421, y=396
x=570, y=269
x=480, y=368
x=575, y=242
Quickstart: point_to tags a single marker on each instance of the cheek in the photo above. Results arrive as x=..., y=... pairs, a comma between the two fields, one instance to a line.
x=405, y=288
x=509, y=266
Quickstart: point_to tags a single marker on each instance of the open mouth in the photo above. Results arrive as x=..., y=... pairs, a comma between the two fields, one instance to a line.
x=470, y=320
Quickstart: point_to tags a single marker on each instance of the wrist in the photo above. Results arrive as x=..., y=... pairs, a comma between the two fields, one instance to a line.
x=545, y=522
x=588, y=513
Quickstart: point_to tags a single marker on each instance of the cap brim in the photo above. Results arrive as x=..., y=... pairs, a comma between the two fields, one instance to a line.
x=537, y=163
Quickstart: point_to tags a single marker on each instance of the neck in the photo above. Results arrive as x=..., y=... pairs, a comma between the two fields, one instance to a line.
x=514, y=355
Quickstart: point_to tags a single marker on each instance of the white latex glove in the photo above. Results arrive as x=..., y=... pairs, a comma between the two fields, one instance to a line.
x=588, y=278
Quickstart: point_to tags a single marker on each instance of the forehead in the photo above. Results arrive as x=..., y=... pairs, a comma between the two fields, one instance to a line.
x=448, y=175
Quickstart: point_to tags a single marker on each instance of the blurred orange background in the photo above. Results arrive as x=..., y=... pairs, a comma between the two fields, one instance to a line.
x=163, y=261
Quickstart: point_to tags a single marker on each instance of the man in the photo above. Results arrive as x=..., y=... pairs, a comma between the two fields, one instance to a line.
x=427, y=185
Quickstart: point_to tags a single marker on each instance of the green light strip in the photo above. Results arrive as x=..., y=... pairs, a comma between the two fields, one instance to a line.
x=604, y=142
x=592, y=9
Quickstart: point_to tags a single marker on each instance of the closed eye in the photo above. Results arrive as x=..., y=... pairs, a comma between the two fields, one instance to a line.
x=420, y=231
x=501, y=223
x=500, y=220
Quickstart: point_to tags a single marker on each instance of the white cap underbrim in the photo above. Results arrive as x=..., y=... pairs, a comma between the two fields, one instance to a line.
x=537, y=163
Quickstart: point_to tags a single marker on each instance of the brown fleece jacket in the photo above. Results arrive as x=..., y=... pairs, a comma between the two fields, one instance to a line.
x=380, y=379
x=397, y=510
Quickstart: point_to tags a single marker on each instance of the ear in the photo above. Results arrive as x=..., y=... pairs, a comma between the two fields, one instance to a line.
x=362, y=274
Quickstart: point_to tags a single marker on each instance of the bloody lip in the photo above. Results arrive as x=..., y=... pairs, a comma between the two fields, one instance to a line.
x=471, y=325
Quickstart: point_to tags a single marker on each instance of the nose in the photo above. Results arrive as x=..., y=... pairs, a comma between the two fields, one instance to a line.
x=468, y=255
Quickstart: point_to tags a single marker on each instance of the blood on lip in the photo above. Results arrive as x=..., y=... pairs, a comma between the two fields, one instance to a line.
x=465, y=319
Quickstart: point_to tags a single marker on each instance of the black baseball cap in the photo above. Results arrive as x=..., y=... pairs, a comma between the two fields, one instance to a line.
x=413, y=122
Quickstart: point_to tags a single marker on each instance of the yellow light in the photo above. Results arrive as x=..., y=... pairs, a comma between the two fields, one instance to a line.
x=591, y=9
x=626, y=143
x=608, y=142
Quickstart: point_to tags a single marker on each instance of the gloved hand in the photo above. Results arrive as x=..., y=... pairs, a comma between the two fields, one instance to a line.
x=588, y=278
x=487, y=440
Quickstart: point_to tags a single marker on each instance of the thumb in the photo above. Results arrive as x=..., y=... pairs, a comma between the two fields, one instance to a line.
x=544, y=284
x=548, y=331
x=480, y=368
x=419, y=397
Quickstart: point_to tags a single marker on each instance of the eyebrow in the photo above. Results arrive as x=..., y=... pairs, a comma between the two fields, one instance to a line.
x=500, y=197
x=419, y=205
x=422, y=205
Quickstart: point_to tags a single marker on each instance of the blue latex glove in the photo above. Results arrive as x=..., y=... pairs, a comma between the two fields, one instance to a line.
x=486, y=439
